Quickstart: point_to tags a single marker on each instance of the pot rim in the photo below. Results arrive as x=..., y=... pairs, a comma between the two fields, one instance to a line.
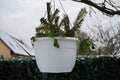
x=67, y=38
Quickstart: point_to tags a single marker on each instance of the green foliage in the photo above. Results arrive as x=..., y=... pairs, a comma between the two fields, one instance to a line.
x=86, y=68
x=13, y=69
x=84, y=45
x=79, y=20
x=53, y=26
x=56, y=43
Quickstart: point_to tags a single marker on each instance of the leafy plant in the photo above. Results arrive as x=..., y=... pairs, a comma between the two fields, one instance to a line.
x=84, y=45
x=52, y=26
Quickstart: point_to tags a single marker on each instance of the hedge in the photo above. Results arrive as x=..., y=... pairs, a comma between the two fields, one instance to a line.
x=90, y=68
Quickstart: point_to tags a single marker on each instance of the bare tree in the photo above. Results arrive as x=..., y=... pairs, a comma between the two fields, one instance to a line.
x=103, y=6
x=110, y=38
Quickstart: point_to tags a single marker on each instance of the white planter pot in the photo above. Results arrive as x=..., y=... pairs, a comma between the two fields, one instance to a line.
x=55, y=60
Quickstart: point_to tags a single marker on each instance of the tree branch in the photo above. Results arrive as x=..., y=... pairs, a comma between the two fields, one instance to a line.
x=104, y=9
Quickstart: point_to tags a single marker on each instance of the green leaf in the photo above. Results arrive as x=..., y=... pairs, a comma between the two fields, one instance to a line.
x=50, y=34
x=56, y=43
x=49, y=12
